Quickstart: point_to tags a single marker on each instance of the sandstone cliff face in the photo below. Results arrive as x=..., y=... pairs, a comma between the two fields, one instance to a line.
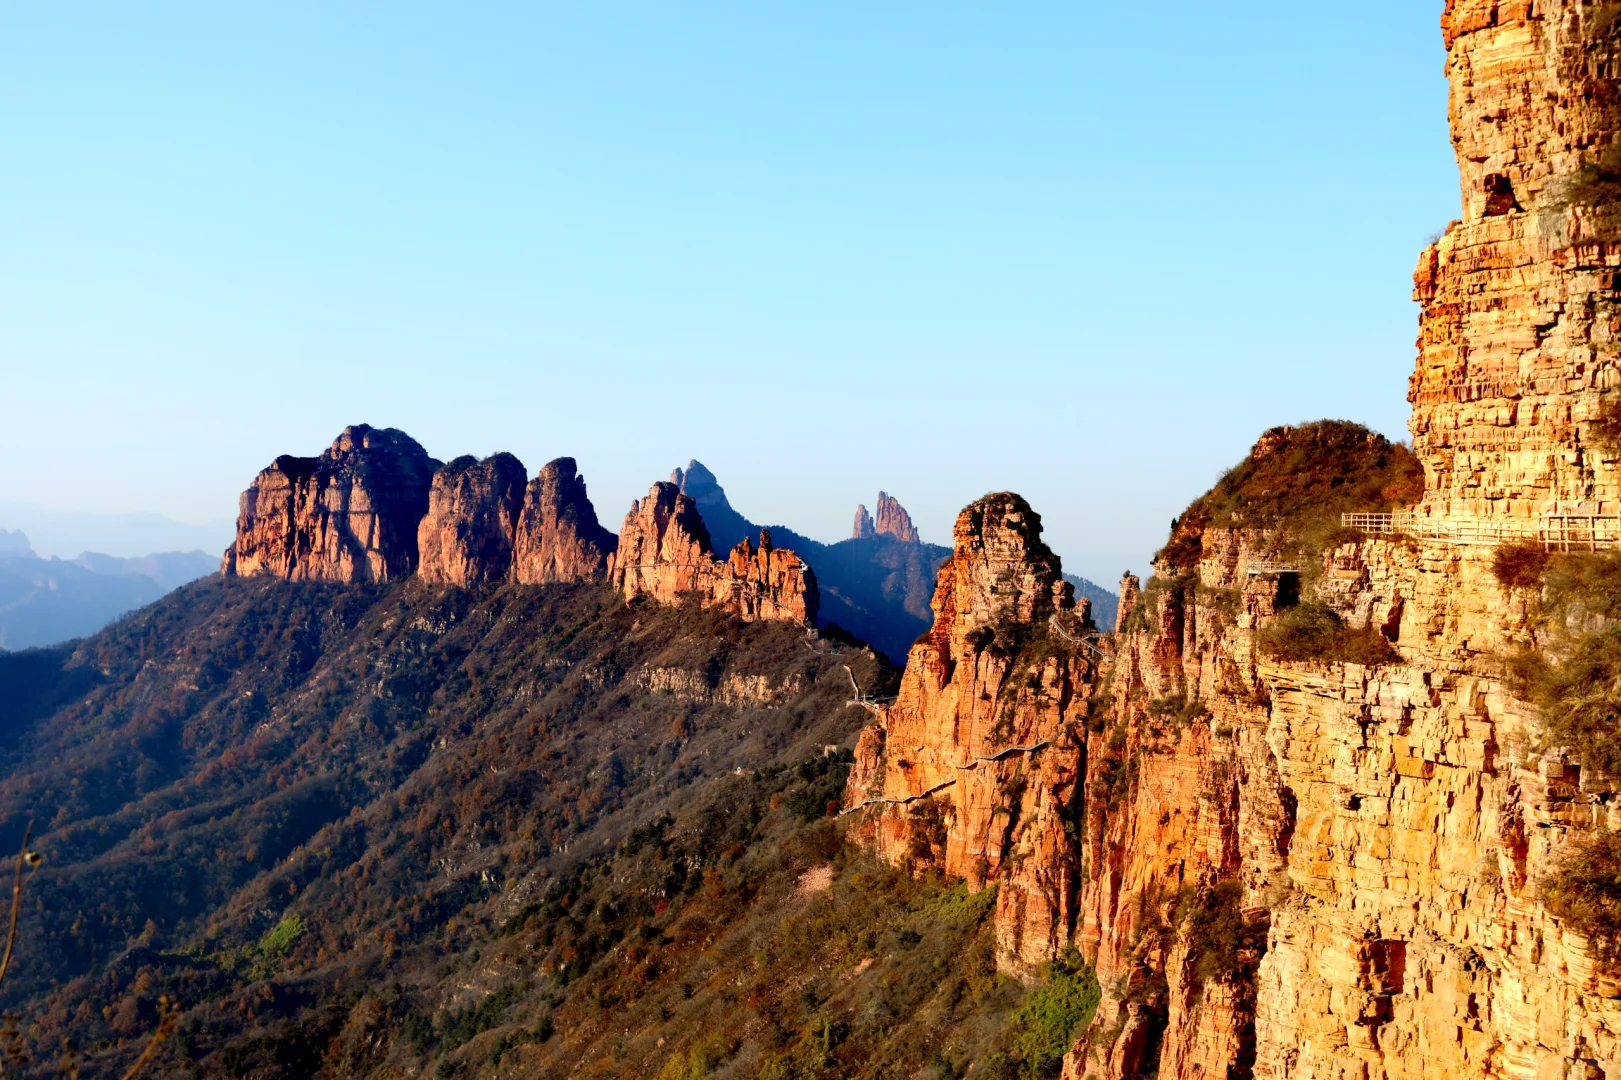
x=664, y=552
x=349, y=515
x=558, y=537
x=863, y=526
x=1519, y=332
x=975, y=769
x=893, y=520
x=1384, y=827
x=466, y=536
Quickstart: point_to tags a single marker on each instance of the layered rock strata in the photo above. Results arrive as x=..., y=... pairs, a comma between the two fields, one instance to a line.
x=975, y=769
x=664, y=552
x=466, y=536
x=349, y=515
x=1520, y=330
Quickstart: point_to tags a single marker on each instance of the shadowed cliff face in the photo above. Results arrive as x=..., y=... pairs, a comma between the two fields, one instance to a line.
x=559, y=539
x=466, y=538
x=975, y=769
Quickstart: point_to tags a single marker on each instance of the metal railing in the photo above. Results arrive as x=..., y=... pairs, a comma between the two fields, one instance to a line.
x=1256, y=569
x=1556, y=532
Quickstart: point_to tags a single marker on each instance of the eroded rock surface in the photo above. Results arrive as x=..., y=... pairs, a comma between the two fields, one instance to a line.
x=975, y=768
x=558, y=536
x=664, y=552
x=349, y=515
x=466, y=537
x=893, y=520
x=1520, y=329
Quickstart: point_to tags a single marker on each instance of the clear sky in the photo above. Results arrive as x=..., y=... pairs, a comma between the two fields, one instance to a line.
x=1087, y=251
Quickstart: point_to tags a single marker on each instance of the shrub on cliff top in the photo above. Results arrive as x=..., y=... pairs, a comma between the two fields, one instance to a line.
x=1314, y=631
x=1300, y=480
x=1584, y=890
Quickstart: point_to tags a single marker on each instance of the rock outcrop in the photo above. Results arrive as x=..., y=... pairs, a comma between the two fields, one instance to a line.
x=349, y=515
x=466, y=538
x=975, y=769
x=558, y=536
x=1307, y=861
x=863, y=527
x=893, y=520
x=664, y=552
x=1520, y=330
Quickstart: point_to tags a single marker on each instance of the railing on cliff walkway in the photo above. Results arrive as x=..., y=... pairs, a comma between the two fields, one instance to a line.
x=1556, y=532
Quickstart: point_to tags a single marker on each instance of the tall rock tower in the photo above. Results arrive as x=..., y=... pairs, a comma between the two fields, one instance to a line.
x=1515, y=397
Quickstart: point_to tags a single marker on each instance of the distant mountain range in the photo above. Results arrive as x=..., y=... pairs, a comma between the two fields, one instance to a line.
x=65, y=533
x=876, y=585
x=43, y=601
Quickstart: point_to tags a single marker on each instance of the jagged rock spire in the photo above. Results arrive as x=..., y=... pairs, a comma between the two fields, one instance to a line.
x=893, y=520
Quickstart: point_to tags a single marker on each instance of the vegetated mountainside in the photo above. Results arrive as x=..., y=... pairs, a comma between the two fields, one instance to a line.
x=43, y=601
x=407, y=829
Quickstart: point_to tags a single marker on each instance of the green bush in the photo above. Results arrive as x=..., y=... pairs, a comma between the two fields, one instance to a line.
x=1314, y=631
x=1221, y=941
x=1584, y=890
x=1177, y=710
x=1046, y=1024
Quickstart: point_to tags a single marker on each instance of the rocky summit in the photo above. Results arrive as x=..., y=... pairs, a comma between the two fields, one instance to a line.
x=664, y=553
x=350, y=515
x=973, y=768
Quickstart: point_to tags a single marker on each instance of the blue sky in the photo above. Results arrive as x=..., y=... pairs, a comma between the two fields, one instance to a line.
x=1077, y=250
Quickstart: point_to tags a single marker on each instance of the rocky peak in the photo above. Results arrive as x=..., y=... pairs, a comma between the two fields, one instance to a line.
x=663, y=549
x=970, y=769
x=349, y=515
x=863, y=525
x=1000, y=572
x=466, y=537
x=768, y=584
x=699, y=484
x=893, y=520
x=1131, y=589
x=558, y=537
x=665, y=553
